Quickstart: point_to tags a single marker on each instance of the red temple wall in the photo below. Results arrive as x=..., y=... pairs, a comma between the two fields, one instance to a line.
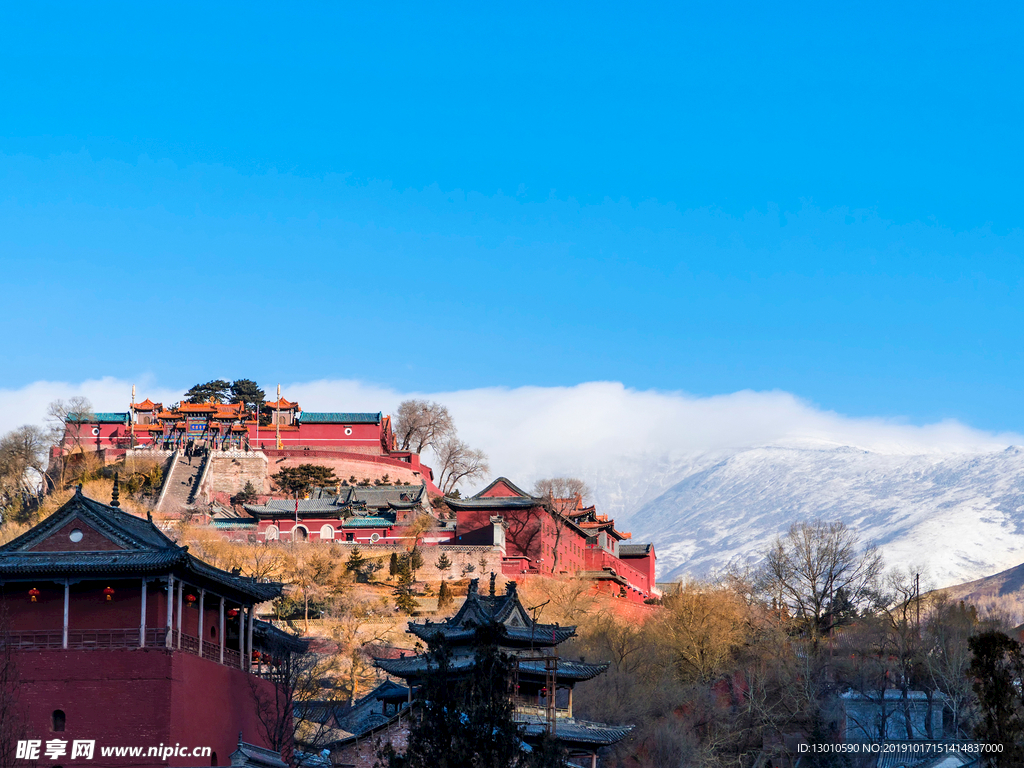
x=140, y=697
x=365, y=438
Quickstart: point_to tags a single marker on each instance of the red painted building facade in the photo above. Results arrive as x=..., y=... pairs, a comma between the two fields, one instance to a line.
x=554, y=536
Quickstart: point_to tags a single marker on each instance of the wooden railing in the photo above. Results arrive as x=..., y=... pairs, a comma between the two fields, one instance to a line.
x=83, y=639
x=525, y=708
x=97, y=639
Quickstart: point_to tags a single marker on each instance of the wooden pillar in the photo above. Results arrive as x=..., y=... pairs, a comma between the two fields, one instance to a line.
x=142, y=623
x=593, y=760
x=241, y=637
x=202, y=598
x=181, y=585
x=67, y=605
x=570, y=701
x=168, y=643
x=252, y=617
x=221, y=630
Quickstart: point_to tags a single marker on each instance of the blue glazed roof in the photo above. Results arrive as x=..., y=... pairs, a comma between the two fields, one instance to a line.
x=368, y=522
x=107, y=417
x=308, y=417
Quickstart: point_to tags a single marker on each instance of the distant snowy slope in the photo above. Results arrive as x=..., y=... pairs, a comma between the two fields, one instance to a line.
x=959, y=516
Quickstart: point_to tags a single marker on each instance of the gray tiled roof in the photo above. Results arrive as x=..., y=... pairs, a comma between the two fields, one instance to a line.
x=350, y=501
x=368, y=712
x=413, y=666
x=480, y=610
x=635, y=550
x=141, y=548
x=573, y=731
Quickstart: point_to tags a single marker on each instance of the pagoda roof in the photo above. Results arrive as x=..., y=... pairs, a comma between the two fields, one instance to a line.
x=131, y=546
x=482, y=610
x=197, y=407
x=569, y=730
x=308, y=417
x=419, y=665
x=146, y=405
x=281, y=405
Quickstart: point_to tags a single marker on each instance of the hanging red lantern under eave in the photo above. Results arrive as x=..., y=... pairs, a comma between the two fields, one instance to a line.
x=109, y=593
x=232, y=613
x=33, y=593
x=191, y=600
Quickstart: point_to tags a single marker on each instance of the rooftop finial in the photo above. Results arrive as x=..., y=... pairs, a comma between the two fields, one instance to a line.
x=474, y=585
x=493, y=577
x=510, y=587
x=115, y=494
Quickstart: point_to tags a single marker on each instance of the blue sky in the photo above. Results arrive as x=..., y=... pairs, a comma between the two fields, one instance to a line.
x=802, y=198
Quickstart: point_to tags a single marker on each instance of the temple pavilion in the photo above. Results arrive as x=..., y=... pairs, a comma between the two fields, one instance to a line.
x=543, y=703
x=121, y=636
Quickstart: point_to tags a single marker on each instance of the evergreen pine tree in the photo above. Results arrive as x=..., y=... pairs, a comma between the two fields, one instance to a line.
x=444, y=596
x=443, y=565
x=997, y=667
x=393, y=566
x=355, y=561
x=403, y=589
x=415, y=560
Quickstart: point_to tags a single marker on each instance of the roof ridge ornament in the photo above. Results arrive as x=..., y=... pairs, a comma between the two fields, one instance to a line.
x=115, y=493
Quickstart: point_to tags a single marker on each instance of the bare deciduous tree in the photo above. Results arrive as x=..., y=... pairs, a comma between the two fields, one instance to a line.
x=807, y=570
x=421, y=424
x=22, y=462
x=286, y=710
x=704, y=625
x=458, y=462
x=66, y=419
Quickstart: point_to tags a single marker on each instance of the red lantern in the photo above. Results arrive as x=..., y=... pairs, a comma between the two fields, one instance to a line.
x=109, y=592
x=191, y=600
x=232, y=613
x=33, y=593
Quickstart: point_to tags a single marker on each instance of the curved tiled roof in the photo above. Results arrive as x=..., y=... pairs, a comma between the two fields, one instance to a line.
x=417, y=666
x=481, y=610
x=141, y=548
x=572, y=731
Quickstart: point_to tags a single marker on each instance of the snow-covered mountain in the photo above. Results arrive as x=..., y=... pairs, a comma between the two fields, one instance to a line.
x=957, y=517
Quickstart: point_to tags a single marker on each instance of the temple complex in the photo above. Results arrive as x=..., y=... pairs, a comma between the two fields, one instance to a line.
x=122, y=637
x=544, y=681
x=542, y=536
x=364, y=515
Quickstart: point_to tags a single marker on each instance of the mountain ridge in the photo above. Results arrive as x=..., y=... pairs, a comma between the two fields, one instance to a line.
x=956, y=516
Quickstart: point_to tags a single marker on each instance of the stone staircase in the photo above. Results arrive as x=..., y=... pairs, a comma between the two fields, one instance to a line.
x=183, y=480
